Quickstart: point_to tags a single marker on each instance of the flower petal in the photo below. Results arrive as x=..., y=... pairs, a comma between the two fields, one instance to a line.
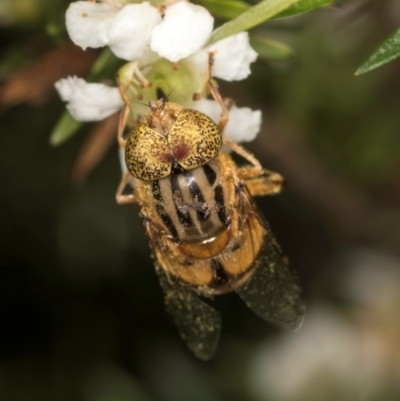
x=243, y=125
x=232, y=58
x=184, y=30
x=209, y=107
x=130, y=31
x=88, y=23
x=88, y=101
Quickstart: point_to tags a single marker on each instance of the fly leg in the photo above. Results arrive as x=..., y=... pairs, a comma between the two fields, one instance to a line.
x=123, y=199
x=123, y=118
x=267, y=183
x=258, y=180
x=216, y=95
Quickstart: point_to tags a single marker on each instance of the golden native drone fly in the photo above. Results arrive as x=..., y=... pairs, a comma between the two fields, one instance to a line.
x=205, y=231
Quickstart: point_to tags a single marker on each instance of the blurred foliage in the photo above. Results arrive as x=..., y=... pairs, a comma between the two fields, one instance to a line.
x=270, y=49
x=81, y=309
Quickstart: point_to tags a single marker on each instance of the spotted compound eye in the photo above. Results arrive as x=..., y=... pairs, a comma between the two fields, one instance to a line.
x=194, y=139
x=148, y=155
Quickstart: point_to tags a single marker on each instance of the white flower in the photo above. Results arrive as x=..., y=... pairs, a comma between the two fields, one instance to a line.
x=183, y=31
x=243, y=125
x=208, y=107
x=130, y=31
x=139, y=33
x=135, y=31
x=94, y=102
x=88, y=23
x=232, y=58
x=126, y=30
x=88, y=101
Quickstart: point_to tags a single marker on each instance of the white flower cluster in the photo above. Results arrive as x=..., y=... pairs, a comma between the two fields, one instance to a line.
x=135, y=30
x=143, y=33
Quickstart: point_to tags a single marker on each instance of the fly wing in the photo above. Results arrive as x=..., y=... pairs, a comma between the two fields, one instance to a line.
x=198, y=323
x=272, y=292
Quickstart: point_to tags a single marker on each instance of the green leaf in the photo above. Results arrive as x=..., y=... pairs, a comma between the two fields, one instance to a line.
x=102, y=63
x=302, y=6
x=229, y=9
x=226, y=9
x=270, y=49
x=253, y=16
x=387, y=51
x=65, y=128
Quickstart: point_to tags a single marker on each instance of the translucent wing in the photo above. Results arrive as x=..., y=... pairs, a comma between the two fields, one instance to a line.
x=272, y=292
x=198, y=323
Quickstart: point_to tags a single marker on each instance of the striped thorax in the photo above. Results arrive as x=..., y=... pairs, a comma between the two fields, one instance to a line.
x=193, y=205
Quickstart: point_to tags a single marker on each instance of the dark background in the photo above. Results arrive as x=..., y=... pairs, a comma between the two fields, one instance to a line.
x=81, y=310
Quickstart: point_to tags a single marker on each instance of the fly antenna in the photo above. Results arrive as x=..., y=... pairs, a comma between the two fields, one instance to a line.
x=161, y=94
x=170, y=93
x=143, y=104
